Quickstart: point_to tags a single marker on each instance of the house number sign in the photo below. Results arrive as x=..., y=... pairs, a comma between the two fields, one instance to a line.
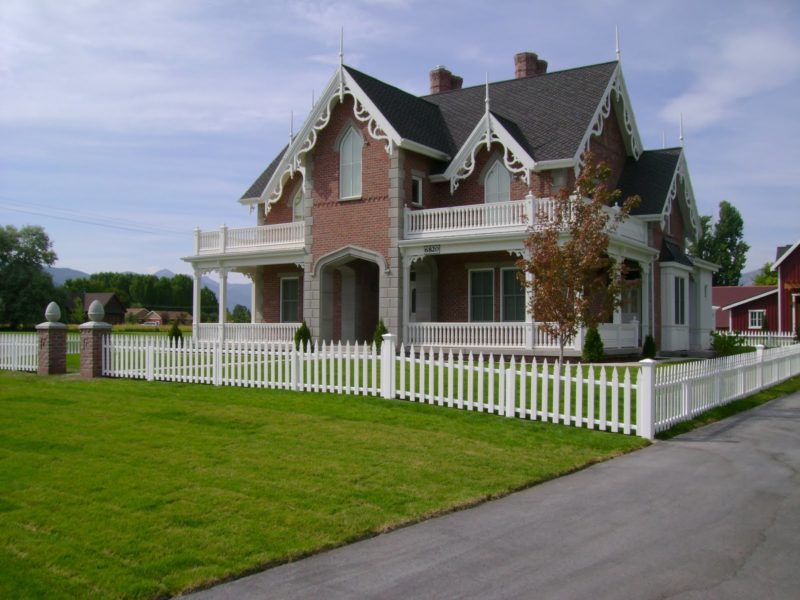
x=437, y=249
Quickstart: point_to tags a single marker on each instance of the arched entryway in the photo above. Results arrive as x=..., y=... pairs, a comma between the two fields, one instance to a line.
x=350, y=282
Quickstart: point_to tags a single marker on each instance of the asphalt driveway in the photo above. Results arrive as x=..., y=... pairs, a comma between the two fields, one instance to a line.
x=711, y=514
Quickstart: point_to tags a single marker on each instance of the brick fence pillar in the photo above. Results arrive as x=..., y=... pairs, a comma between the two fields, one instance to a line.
x=92, y=333
x=52, y=343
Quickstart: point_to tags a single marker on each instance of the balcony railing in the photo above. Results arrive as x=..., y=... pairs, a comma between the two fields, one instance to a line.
x=246, y=332
x=514, y=216
x=223, y=240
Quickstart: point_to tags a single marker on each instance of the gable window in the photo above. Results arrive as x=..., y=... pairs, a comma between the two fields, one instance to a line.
x=497, y=185
x=559, y=181
x=290, y=299
x=416, y=191
x=680, y=301
x=513, y=296
x=481, y=295
x=297, y=206
x=350, y=165
x=756, y=318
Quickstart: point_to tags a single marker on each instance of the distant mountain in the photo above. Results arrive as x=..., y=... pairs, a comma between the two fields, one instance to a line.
x=61, y=274
x=747, y=278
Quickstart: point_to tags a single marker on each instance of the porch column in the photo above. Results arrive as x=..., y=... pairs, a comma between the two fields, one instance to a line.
x=406, y=308
x=644, y=269
x=196, y=287
x=257, y=295
x=618, y=309
x=223, y=301
x=529, y=325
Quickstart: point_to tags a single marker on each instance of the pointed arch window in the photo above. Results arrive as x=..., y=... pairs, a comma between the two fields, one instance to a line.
x=350, y=165
x=497, y=184
x=297, y=206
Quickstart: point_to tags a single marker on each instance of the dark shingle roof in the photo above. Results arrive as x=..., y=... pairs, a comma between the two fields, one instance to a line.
x=552, y=111
x=781, y=251
x=547, y=114
x=650, y=178
x=254, y=191
x=671, y=252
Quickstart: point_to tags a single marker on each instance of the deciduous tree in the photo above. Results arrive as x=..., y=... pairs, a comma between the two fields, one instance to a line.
x=723, y=244
x=25, y=288
x=766, y=276
x=574, y=282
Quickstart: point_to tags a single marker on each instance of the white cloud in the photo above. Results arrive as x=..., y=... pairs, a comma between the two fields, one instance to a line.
x=742, y=65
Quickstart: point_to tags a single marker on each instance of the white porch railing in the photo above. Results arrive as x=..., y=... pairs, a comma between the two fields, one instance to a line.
x=485, y=335
x=619, y=335
x=246, y=238
x=246, y=332
x=472, y=218
x=496, y=217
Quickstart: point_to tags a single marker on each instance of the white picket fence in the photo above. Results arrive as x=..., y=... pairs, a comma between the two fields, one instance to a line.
x=19, y=351
x=769, y=339
x=73, y=343
x=683, y=391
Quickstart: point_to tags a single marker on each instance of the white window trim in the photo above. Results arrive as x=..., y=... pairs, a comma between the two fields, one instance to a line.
x=350, y=130
x=469, y=295
x=751, y=313
x=498, y=164
x=297, y=279
x=503, y=295
x=421, y=198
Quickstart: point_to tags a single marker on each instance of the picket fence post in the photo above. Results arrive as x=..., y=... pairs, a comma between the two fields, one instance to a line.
x=645, y=399
x=148, y=361
x=511, y=390
x=218, y=363
x=295, y=370
x=760, y=365
x=387, y=366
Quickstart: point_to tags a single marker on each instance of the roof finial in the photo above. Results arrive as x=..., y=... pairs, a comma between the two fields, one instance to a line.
x=341, y=46
x=291, y=127
x=616, y=37
x=486, y=98
x=680, y=137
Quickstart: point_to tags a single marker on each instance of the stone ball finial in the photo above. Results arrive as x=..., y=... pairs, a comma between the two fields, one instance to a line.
x=52, y=313
x=96, y=311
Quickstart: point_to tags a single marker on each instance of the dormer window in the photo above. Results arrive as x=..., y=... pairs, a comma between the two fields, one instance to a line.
x=497, y=184
x=297, y=206
x=350, y=165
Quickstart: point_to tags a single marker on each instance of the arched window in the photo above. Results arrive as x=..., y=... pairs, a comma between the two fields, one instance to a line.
x=350, y=165
x=297, y=206
x=497, y=184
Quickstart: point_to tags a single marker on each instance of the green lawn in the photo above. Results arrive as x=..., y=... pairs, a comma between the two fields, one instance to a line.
x=119, y=488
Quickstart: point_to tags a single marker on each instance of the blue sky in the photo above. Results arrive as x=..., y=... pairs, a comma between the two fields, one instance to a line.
x=154, y=116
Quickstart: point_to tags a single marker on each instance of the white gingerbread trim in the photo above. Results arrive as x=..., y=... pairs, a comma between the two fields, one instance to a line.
x=488, y=131
x=681, y=175
x=615, y=96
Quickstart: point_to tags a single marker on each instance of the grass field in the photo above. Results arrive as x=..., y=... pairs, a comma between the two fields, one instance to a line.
x=119, y=488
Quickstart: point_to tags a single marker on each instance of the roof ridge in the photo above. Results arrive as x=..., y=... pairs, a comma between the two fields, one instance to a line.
x=394, y=87
x=513, y=79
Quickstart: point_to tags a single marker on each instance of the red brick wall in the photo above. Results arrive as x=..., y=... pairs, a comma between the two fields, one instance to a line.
x=453, y=283
x=272, y=291
x=609, y=147
x=281, y=211
x=366, y=221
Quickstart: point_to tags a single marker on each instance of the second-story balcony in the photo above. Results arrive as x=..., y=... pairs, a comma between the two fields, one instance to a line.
x=496, y=218
x=283, y=236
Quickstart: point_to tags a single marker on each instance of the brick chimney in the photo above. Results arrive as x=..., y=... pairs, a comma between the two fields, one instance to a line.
x=443, y=80
x=528, y=64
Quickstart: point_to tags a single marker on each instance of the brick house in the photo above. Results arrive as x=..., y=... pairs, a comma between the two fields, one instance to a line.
x=414, y=209
x=758, y=307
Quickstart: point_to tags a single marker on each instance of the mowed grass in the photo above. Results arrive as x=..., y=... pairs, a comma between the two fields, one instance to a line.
x=119, y=488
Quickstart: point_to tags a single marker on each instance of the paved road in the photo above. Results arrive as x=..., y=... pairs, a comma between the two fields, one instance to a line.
x=711, y=514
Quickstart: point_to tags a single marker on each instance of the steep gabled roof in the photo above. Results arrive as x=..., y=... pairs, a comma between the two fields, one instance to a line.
x=787, y=250
x=551, y=111
x=671, y=252
x=259, y=184
x=650, y=177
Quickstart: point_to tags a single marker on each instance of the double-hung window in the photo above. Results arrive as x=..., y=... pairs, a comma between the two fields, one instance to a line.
x=497, y=184
x=680, y=301
x=297, y=206
x=350, y=165
x=756, y=319
x=481, y=295
x=513, y=296
x=290, y=299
